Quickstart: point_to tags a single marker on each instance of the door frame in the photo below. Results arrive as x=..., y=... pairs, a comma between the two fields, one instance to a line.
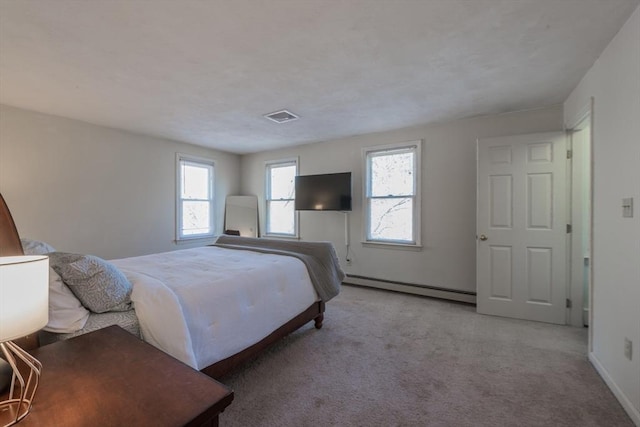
x=579, y=121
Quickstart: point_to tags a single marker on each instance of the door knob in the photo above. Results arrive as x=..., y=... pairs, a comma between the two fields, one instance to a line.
x=483, y=237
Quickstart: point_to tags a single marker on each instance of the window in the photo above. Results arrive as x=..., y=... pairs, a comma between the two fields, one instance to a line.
x=195, y=205
x=392, y=194
x=281, y=218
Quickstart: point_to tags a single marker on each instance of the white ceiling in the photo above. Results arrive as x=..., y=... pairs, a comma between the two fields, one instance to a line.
x=205, y=72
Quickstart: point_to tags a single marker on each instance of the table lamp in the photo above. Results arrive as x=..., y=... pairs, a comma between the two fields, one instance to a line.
x=24, y=309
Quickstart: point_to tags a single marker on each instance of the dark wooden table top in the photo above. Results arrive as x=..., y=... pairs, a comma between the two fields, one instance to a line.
x=111, y=378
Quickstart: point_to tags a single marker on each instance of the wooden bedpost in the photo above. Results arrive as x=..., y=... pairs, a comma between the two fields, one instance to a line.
x=320, y=317
x=318, y=321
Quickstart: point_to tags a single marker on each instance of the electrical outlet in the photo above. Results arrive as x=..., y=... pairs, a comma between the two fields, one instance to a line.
x=628, y=348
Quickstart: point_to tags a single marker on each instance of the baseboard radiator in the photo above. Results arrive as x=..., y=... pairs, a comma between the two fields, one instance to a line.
x=424, y=290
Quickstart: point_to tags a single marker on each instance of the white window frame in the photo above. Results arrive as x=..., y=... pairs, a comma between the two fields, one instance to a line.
x=199, y=161
x=267, y=196
x=367, y=152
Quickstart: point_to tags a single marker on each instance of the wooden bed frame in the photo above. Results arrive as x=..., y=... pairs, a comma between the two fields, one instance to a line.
x=10, y=245
x=220, y=369
x=9, y=238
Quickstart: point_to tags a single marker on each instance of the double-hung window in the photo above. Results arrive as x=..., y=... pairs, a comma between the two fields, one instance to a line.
x=281, y=218
x=392, y=194
x=195, y=202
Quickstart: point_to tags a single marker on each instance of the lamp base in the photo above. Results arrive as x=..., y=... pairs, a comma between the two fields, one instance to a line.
x=14, y=410
x=21, y=393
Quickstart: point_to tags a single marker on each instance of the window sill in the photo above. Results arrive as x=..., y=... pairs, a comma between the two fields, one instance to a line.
x=280, y=236
x=198, y=239
x=399, y=246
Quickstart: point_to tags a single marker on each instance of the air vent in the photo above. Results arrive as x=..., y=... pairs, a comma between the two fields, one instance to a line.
x=281, y=116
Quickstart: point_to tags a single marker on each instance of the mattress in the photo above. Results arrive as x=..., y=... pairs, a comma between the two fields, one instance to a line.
x=205, y=304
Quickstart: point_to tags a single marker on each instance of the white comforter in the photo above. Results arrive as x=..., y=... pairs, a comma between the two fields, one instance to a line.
x=205, y=304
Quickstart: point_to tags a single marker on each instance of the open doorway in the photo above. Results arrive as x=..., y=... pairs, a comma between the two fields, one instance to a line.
x=581, y=250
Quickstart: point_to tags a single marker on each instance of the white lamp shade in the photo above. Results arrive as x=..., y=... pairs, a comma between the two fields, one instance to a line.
x=24, y=295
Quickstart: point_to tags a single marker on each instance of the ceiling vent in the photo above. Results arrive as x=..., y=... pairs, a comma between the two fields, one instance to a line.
x=281, y=116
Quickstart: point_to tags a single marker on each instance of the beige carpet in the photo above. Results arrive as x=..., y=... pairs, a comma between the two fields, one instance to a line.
x=389, y=359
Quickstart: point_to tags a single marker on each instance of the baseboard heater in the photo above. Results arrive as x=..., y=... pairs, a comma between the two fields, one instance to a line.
x=410, y=288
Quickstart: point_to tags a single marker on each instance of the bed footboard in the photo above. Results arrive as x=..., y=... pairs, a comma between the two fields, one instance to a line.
x=219, y=369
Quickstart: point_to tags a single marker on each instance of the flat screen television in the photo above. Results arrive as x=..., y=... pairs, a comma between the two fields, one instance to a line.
x=327, y=192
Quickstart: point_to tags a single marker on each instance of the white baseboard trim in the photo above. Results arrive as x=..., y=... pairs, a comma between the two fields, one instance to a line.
x=426, y=291
x=633, y=412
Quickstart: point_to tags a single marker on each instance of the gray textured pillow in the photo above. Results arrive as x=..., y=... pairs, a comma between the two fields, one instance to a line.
x=98, y=284
x=35, y=247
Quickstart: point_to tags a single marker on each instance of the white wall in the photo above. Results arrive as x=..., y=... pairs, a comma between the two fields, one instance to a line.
x=614, y=82
x=91, y=189
x=448, y=196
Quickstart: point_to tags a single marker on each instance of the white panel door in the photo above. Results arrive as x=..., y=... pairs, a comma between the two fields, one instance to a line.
x=521, y=227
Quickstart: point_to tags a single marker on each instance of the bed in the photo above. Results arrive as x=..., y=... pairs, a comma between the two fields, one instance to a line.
x=212, y=307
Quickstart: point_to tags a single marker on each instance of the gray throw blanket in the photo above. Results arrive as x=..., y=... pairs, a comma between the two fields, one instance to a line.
x=319, y=257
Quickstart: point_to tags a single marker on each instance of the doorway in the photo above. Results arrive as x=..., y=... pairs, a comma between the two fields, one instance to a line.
x=580, y=209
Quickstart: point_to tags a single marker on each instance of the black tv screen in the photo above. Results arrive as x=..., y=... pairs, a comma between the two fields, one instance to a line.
x=327, y=192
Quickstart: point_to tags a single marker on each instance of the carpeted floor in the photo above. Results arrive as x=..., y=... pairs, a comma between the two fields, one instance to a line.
x=389, y=359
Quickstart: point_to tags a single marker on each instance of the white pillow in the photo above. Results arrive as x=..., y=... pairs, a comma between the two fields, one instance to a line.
x=66, y=313
x=35, y=247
